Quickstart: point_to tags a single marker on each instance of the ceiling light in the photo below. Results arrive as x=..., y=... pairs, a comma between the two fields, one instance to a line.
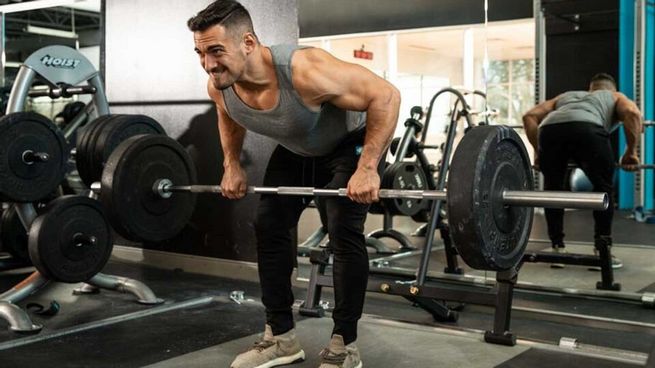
x=50, y=32
x=32, y=5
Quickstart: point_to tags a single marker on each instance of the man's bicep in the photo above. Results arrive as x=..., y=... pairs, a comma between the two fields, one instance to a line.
x=625, y=107
x=541, y=110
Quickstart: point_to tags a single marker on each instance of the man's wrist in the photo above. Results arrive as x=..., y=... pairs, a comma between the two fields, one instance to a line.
x=231, y=164
x=367, y=165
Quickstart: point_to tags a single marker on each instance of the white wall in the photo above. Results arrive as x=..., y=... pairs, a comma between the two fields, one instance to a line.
x=152, y=69
x=428, y=63
x=149, y=50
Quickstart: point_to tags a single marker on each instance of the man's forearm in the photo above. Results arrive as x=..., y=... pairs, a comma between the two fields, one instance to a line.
x=531, y=126
x=232, y=136
x=632, y=128
x=381, y=119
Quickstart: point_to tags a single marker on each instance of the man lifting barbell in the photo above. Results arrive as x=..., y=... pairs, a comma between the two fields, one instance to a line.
x=148, y=189
x=333, y=121
x=575, y=126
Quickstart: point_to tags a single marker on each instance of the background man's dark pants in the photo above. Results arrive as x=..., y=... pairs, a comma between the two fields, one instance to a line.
x=278, y=215
x=587, y=145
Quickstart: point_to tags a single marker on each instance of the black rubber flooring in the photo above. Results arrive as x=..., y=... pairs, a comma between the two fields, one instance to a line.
x=141, y=341
x=536, y=326
x=536, y=358
x=151, y=339
x=578, y=226
x=172, y=286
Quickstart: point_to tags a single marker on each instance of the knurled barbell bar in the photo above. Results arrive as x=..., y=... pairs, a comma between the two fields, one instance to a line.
x=622, y=167
x=551, y=199
x=636, y=167
x=148, y=188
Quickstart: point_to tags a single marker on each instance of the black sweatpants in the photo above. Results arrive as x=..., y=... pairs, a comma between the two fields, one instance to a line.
x=278, y=215
x=588, y=145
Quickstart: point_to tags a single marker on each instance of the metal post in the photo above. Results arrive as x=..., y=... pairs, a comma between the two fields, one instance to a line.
x=539, y=64
x=3, y=55
x=540, y=53
x=20, y=89
x=435, y=211
x=99, y=98
x=638, y=78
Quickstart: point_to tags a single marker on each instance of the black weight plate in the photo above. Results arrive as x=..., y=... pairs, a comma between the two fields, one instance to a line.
x=116, y=131
x=85, y=166
x=71, y=110
x=13, y=234
x=53, y=247
x=393, y=147
x=405, y=176
x=81, y=143
x=489, y=235
x=28, y=182
x=82, y=152
x=135, y=211
x=87, y=145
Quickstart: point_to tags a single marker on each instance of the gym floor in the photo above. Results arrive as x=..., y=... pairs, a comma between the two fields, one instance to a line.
x=200, y=326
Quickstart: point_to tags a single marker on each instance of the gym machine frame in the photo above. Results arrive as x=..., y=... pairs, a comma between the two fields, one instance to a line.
x=432, y=295
x=409, y=144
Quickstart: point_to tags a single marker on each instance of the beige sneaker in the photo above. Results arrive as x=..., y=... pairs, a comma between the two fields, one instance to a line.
x=559, y=250
x=337, y=355
x=616, y=263
x=271, y=351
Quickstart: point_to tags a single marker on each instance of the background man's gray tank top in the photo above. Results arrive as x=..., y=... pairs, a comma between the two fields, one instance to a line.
x=291, y=123
x=592, y=107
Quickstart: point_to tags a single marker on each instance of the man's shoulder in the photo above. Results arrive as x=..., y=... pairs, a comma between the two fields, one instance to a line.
x=288, y=48
x=575, y=93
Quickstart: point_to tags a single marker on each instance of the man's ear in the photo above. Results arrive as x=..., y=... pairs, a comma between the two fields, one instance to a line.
x=250, y=41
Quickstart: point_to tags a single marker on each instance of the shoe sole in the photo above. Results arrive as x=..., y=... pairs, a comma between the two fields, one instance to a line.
x=299, y=356
x=597, y=269
x=360, y=365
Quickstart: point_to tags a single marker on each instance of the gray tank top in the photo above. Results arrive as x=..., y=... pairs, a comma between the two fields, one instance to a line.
x=592, y=107
x=291, y=123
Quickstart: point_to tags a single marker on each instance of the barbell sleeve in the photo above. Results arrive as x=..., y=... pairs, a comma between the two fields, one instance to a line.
x=624, y=167
x=524, y=198
x=552, y=199
x=30, y=157
x=84, y=240
x=638, y=167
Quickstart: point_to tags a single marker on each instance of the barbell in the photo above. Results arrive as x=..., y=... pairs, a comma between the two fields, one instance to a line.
x=623, y=167
x=595, y=201
x=148, y=188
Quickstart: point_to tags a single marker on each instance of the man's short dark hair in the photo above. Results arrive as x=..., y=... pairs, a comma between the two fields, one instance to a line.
x=228, y=13
x=603, y=78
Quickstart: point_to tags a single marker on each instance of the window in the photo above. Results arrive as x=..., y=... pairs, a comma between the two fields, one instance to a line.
x=510, y=89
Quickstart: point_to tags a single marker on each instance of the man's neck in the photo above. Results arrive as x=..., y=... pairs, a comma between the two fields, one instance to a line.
x=259, y=73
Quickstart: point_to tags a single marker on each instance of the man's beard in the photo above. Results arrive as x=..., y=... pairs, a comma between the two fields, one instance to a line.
x=223, y=85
